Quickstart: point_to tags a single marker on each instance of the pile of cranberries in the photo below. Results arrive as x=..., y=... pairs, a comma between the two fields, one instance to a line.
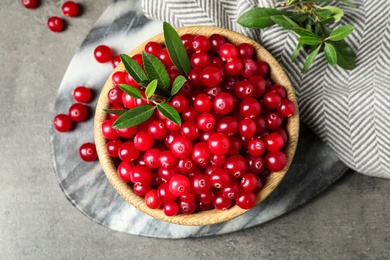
x=231, y=137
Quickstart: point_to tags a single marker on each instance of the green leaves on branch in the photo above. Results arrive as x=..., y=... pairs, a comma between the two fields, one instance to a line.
x=154, y=79
x=311, y=23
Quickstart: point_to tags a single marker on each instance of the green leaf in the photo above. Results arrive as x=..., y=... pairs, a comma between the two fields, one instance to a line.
x=341, y=32
x=330, y=54
x=345, y=55
x=115, y=111
x=176, y=49
x=284, y=22
x=151, y=88
x=134, y=116
x=133, y=68
x=304, y=32
x=336, y=13
x=309, y=40
x=156, y=70
x=132, y=91
x=177, y=84
x=323, y=13
x=169, y=112
x=310, y=59
x=296, y=51
x=299, y=18
x=259, y=17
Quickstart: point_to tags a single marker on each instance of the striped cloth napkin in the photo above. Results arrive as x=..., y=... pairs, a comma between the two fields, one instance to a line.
x=349, y=110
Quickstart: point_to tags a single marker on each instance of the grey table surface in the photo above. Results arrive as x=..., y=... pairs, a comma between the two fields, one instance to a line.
x=350, y=220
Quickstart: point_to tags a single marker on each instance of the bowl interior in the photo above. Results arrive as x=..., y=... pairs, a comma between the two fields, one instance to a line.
x=214, y=216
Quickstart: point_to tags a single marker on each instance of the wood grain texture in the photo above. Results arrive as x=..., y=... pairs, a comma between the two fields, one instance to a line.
x=278, y=76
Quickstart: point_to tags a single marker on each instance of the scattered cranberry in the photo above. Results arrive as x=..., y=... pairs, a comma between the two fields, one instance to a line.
x=82, y=94
x=55, y=24
x=30, y=4
x=103, y=53
x=62, y=123
x=88, y=152
x=71, y=9
x=78, y=112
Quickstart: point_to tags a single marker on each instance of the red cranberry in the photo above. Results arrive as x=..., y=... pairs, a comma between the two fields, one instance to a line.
x=286, y=108
x=218, y=143
x=179, y=185
x=88, y=152
x=217, y=41
x=228, y=51
x=201, y=43
x=55, y=24
x=103, y=53
x=246, y=200
x=275, y=161
x=123, y=171
x=62, y=123
x=70, y=8
x=82, y=94
x=30, y=4
x=170, y=209
x=153, y=200
x=245, y=50
x=113, y=146
x=153, y=48
x=78, y=112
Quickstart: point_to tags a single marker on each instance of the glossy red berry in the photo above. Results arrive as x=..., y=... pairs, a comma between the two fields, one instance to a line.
x=228, y=51
x=216, y=41
x=88, y=152
x=151, y=158
x=157, y=130
x=153, y=48
x=127, y=152
x=167, y=159
x=201, y=153
x=219, y=178
x=232, y=190
x=200, y=183
x=127, y=132
x=181, y=147
x=30, y=4
x=210, y=76
x=246, y=200
x=190, y=129
x=123, y=171
x=247, y=127
x=236, y=166
x=275, y=161
x=201, y=43
x=82, y=94
x=141, y=174
x=165, y=174
x=234, y=66
x=108, y=131
x=186, y=165
x=70, y=8
x=62, y=123
x=143, y=141
x=223, y=103
x=220, y=202
x=119, y=77
x=250, y=107
x=262, y=68
x=218, y=143
x=272, y=99
x=115, y=61
x=199, y=60
x=55, y=24
x=170, y=209
x=249, y=182
x=273, y=120
x=273, y=142
x=78, y=112
x=152, y=200
x=259, y=86
x=164, y=57
x=187, y=207
x=245, y=50
x=180, y=103
x=164, y=193
x=187, y=40
x=244, y=89
x=206, y=122
x=249, y=68
x=256, y=147
x=115, y=96
x=278, y=89
x=113, y=146
x=103, y=53
x=256, y=164
x=179, y=185
x=286, y=108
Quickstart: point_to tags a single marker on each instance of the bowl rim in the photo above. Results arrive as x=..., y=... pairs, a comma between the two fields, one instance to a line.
x=277, y=75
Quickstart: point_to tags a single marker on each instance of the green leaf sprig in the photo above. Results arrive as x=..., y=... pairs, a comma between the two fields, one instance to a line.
x=155, y=80
x=312, y=23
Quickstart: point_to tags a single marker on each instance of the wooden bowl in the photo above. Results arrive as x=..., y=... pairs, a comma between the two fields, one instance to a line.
x=214, y=216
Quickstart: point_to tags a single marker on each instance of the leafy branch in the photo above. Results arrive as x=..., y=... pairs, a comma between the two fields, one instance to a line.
x=155, y=81
x=312, y=24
